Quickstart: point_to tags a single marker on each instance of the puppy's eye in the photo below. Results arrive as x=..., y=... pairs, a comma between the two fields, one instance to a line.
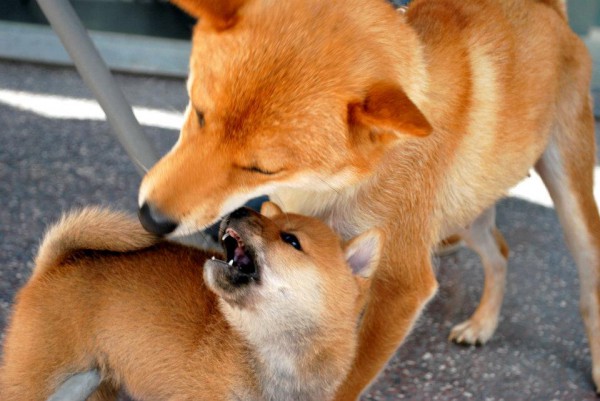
x=291, y=239
x=200, y=116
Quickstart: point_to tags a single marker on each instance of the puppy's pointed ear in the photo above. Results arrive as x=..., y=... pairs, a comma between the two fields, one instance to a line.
x=386, y=112
x=363, y=253
x=269, y=209
x=220, y=14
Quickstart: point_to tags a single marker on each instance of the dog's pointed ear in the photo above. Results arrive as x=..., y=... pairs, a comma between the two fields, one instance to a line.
x=269, y=209
x=387, y=112
x=363, y=253
x=220, y=14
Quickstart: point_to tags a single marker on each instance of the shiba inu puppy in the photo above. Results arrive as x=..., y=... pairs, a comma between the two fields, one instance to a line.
x=416, y=122
x=109, y=306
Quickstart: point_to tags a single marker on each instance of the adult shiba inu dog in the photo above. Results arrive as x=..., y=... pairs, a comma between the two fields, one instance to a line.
x=415, y=122
x=110, y=306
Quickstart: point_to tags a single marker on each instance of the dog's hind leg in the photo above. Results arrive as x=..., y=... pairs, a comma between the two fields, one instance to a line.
x=567, y=169
x=484, y=238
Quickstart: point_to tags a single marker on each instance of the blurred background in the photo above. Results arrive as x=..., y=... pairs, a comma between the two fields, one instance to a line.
x=26, y=35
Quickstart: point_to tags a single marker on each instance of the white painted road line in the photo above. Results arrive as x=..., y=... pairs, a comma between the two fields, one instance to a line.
x=61, y=107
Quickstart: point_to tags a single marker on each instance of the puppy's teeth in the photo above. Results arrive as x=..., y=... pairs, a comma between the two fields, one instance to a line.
x=224, y=236
x=230, y=262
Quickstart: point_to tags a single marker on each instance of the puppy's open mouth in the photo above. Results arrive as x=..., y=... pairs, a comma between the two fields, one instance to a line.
x=238, y=255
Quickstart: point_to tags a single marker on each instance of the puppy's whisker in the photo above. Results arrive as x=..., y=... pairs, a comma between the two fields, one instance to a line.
x=280, y=202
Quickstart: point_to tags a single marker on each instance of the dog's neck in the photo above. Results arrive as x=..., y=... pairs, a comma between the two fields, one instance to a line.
x=291, y=361
x=341, y=208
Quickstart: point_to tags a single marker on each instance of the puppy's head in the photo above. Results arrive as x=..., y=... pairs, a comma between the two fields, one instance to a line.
x=294, y=292
x=290, y=271
x=299, y=93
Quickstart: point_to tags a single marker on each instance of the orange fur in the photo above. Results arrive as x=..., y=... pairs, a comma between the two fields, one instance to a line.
x=289, y=106
x=111, y=231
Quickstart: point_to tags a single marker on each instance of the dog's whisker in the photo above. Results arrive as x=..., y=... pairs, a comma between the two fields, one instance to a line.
x=337, y=190
x=201, y=235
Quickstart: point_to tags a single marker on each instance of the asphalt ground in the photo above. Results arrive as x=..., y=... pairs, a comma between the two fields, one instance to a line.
x=539, y=352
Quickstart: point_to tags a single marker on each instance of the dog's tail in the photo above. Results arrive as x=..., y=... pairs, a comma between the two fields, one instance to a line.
x=91, y=228
x=559, y=5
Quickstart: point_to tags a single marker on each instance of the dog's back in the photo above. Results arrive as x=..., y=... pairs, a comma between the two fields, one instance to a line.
x=502, y=76
x=92, y=228
x=100, y=281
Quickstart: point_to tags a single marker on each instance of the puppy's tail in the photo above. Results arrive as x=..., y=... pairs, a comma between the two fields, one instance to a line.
x=559, y=5
x=91, y=228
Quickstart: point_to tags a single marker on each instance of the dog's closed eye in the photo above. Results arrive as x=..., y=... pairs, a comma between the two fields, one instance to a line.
x=256, y=169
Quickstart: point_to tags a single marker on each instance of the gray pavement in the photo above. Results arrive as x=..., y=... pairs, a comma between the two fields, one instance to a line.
x=539, y=352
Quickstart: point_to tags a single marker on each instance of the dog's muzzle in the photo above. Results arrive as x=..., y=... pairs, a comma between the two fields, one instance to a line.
x=154, y=221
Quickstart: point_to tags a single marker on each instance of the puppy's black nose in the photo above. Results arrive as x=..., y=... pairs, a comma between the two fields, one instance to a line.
x=240, y=213
x=154, y=221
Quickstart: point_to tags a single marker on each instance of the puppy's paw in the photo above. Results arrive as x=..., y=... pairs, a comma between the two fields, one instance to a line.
x=596, y=375
x=472, y=332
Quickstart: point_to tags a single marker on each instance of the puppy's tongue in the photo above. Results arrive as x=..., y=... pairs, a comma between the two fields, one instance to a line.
x=240, y=258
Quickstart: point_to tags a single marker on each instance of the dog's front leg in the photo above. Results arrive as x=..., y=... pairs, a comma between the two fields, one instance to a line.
x=403, y=285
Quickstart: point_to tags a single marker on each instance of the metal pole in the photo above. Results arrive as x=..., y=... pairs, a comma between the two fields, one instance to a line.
x=95, y=74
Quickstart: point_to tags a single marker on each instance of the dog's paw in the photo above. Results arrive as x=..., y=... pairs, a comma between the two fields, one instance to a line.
x=472, y=332
x=596, y=374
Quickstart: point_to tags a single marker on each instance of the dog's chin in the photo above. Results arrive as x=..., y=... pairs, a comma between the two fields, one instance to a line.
x=187, y=228
x=229, y=283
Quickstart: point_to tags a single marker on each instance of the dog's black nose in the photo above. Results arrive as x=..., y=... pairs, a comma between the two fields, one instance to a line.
x=240, y=213
x=154, y=221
